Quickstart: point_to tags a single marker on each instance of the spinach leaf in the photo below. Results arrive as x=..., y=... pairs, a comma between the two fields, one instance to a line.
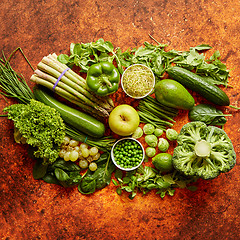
x=87, y=186
x=66, y=174
x=99, y=179
x=208, y=114
x=39, y=169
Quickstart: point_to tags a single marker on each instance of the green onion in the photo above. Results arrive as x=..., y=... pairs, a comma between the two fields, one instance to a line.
x=12, y=83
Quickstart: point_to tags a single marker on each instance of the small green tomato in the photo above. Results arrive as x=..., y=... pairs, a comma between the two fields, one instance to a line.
x=163, y=145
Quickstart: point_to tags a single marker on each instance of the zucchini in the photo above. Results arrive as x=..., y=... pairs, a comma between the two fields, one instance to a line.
x=200, y=85
x=79, y=120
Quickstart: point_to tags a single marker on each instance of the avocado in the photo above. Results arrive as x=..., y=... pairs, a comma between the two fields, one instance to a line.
x=173, y=94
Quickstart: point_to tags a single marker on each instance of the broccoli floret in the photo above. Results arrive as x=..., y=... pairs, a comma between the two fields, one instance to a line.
x=203, y=151
x=41, y=126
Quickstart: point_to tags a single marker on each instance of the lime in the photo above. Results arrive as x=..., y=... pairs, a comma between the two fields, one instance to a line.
x=163, y=162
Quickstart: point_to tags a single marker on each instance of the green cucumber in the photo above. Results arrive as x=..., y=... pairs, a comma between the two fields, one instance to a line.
x=200, y=85
x=79, y=120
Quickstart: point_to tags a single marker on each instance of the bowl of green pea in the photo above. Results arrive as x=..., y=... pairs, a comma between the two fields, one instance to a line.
x=127, y=154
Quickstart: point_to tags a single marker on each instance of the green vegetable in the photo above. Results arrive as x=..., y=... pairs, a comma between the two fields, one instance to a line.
x=151, y=140
x=84, y=55
x=103, y=78
x=138, y=81
x=66, y=174
x=150, y=151
x=138, y=133
x=208, y=114
x=163, y=162
x=200, y=85
x=41, y=126
x=145, y=179
x=148, y=128
x=151, y=111
x=163, y=144
x=12, y=83
x=104, y=144
x=158, y=132
x=128, y=154
x=172, y=94
x=93, y=181
x=79, y=120
x=71, y=86
x=171, y=134
x=203, y=151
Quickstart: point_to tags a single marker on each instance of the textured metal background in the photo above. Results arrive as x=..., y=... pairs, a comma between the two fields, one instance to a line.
x=31, y=209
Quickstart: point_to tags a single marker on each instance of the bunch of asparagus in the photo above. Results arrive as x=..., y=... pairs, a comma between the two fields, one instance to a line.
x=71, y=86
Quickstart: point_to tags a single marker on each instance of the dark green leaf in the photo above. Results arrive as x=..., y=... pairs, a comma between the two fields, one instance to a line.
x=66, y=165
x=118, y=174
x=61, y=175
x=119, y=191
x=51, y=178
x=39, y=170
x=87, y=185
x=208, y=114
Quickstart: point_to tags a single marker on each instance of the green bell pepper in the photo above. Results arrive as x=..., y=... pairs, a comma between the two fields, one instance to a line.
x=103, y=78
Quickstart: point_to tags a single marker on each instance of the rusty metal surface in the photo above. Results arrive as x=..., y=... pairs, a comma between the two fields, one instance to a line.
x=31, y=209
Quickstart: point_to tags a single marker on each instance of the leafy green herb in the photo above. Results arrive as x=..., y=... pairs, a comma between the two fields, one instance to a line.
x=145, y=179
x=66, y=174
x=208, y=114
x=12, y=83
x=99, y=179
x=84, y=55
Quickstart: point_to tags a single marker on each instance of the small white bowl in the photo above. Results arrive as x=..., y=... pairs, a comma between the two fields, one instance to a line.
x=113, y=158
x=153, y=81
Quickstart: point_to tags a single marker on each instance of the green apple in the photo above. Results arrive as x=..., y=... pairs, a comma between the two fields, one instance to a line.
x=123, y=120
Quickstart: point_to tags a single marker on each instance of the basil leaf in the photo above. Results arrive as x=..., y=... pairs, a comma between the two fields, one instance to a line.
x=208, y=114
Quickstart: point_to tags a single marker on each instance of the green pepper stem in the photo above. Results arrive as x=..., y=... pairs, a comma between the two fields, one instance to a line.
x=105, y=80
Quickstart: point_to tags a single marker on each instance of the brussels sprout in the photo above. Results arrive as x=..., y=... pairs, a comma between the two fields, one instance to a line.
x=158, y=132
x=150, y=151
x=171, y=134
x=138, y=133
x=163, y=144
x=148, y=128
x=151, y=140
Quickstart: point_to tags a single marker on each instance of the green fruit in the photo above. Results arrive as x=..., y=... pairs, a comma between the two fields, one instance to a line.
x=163, y=162
x=173, y=94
